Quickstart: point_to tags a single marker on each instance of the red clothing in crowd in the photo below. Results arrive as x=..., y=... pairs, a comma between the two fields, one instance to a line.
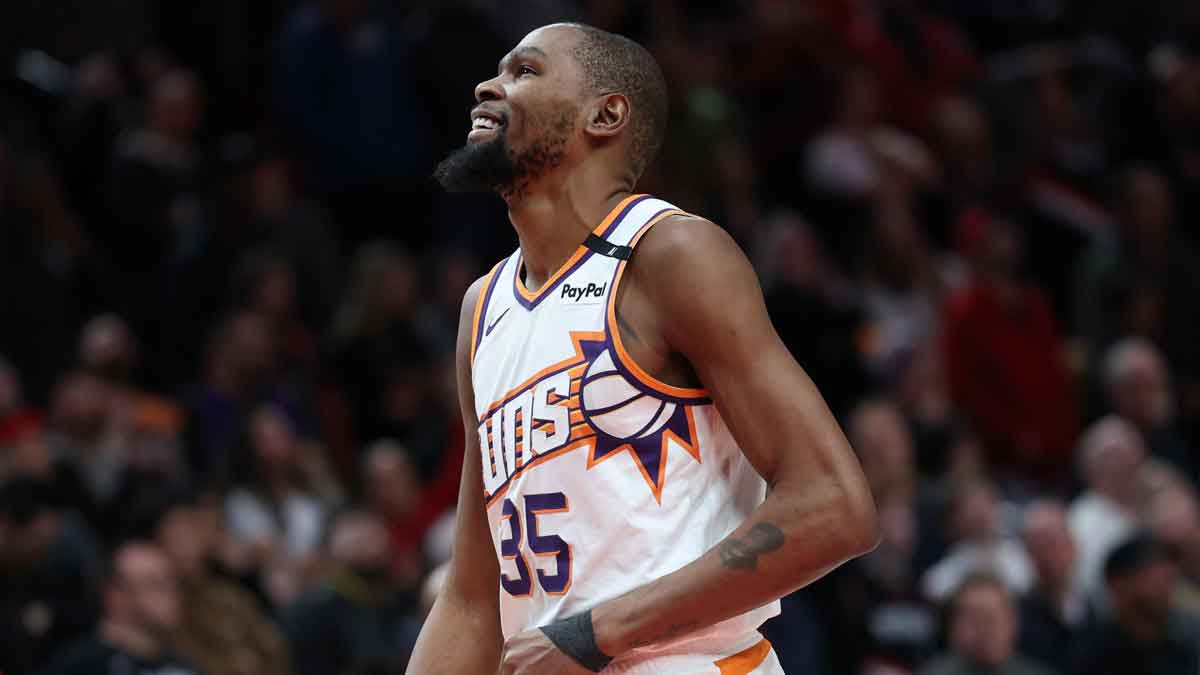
x=1007, y=373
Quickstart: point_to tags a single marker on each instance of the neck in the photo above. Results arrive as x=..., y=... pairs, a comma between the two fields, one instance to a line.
x=552, y=222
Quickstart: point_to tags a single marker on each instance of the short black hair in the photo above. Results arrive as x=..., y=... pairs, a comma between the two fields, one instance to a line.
x=1132, y=555
x=980, y=578
x=614, y=63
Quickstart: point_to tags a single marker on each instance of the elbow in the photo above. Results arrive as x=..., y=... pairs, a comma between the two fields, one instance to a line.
x=861, y=534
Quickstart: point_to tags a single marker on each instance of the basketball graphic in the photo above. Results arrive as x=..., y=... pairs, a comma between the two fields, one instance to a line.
x=615, y=407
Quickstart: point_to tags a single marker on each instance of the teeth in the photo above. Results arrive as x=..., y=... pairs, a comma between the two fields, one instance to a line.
x=483, y=123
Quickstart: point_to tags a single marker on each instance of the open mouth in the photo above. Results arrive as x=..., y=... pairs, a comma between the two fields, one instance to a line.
x=483, y=122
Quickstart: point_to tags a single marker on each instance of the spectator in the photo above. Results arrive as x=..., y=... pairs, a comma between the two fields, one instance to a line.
x=1144, y=284
x=221, y=629
x=1111, y=457
x=141, y=609
x=240, y=374
x=803, y=289
x=372, y=328
x=980, y=545
x=873, y=614
x=1173, y=518
x=357, y=618
x=1145, y=634
x=104, y=466
x=1054, y=612
x=1005, y=360
x=266, y=283
x=47, y=563
x=395, y=496
x=879, y=435
x=982, y=624
x=159, y=226
x=276, y=511
x=1139, y=391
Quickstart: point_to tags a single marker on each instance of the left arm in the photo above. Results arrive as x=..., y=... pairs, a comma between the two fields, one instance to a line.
x=819, y=512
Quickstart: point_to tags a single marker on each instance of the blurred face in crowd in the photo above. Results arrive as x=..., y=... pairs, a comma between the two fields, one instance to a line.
x=188, y=535
x=273, y=439
x=526, y=116
x=107, y=347
x=1113, y=457
x=881, y=438
x=1138, y=385
x=1148, y=208
x=859, y=98
x=1144, y=594
x=974, y=516
x=360, y=543
x=1049, y=543
x=24, y=543
x=80, y=406
x=275, y=293
x=143, y=592
x=984, y=625
x=391, y=479
x=247, y=347
x=1173, y=516
x=175, y=105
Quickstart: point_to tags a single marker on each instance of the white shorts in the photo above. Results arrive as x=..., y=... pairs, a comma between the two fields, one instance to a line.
x=757, y=659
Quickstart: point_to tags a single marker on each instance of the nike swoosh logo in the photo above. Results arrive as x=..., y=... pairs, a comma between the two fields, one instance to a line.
x=489, y=328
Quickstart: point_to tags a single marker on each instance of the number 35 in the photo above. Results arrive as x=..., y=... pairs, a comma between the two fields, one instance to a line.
x=543, y=545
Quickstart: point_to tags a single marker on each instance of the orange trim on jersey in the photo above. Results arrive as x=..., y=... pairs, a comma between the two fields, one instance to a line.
x=579, y=252
x=558, y=452
x=577, y=358
x=479, y=302
x=615, y=331
x=746, y=660
x=690, y=448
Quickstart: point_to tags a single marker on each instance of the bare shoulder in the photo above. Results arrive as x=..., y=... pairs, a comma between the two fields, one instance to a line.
x=682, y=239
x=685, y=254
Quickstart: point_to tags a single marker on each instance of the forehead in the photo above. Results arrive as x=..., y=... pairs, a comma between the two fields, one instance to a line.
x=553, y=43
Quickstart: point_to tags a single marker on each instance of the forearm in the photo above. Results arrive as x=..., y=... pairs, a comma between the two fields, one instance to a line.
x=457, y=639
x=796, y=536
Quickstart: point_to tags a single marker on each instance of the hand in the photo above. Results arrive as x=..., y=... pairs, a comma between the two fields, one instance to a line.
x=532, y=653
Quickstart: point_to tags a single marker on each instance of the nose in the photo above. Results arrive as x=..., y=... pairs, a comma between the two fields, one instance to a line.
x=489, y=90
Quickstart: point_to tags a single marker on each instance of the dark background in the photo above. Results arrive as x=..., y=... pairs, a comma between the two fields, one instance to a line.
x=229, y=292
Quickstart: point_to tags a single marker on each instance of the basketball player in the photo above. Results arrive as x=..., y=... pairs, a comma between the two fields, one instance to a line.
x=648, y=469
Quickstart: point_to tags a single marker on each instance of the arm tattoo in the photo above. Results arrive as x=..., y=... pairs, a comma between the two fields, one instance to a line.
x=742, y=553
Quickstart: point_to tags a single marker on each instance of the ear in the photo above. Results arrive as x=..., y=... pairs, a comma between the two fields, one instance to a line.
x=608, y=116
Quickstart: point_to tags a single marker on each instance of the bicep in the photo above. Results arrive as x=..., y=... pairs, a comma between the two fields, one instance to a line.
x=716, y=318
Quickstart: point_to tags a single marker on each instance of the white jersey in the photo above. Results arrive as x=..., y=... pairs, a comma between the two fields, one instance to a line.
x=597, y=477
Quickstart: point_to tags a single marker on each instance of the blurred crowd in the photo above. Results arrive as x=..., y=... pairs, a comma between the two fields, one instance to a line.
x=229, y=435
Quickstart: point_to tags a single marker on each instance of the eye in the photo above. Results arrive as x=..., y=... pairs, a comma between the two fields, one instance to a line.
x=525, y=70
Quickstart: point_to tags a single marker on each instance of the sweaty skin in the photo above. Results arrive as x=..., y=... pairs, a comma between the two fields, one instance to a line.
x=691, y=312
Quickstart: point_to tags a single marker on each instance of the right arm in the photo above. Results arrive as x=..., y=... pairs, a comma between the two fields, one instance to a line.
x=462, y=634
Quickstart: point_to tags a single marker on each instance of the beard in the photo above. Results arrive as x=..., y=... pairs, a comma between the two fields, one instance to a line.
x=493, y=166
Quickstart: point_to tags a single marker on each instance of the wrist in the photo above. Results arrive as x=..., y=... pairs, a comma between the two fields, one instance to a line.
x=575, y=637
x=609, y=632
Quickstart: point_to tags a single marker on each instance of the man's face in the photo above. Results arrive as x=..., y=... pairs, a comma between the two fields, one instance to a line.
x=146, y=589
x=1145, y=594
x=984, y=626
x=525, y=117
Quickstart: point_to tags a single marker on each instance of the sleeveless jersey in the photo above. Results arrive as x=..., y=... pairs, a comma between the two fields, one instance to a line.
x=597, y=477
